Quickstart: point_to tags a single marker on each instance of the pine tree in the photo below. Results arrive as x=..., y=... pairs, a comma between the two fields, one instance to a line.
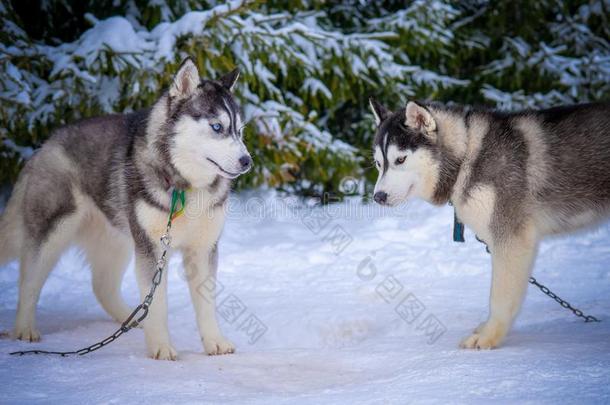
x=308, y=68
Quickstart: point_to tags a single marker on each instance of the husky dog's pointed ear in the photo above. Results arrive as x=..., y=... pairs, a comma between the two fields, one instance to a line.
x=379, y=111
x=186, y=80
x=230, y=79
x=419, y=118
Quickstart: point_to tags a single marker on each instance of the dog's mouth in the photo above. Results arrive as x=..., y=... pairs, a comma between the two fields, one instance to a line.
x=226, y=173
x=409, y=191
x=392, y=202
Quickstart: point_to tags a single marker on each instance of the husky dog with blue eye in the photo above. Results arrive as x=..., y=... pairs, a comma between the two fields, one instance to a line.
x=105, y=185
x=514, y=178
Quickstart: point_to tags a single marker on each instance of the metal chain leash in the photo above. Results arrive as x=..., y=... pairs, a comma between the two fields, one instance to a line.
x=141, y=311
x=563, y=303
x=458, y=236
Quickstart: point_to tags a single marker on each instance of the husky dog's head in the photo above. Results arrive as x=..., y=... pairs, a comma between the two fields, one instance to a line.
x=205, y=126
x=405, y=154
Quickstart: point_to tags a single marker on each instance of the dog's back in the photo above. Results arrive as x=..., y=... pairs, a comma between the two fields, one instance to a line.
x=551, y=165
x=83, y=159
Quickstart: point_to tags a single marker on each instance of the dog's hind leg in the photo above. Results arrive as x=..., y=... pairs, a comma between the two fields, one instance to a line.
x=37, y=261
x=512, y=262
x=11, y=224
x=108, y=253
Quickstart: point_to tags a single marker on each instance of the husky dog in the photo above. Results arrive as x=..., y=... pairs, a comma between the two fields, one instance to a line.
x=514, y=178
x=105, y=184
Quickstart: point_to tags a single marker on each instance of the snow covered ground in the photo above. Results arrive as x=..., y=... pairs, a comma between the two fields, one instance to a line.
x=353, y=304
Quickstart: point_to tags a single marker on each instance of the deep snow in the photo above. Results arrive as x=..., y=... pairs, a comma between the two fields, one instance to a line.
x=331, y=331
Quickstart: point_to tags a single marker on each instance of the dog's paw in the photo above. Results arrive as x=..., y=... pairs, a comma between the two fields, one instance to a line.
x=486, y=336
x=27, y=334
x=476, y=341
x=162, y=351
x=217, y=345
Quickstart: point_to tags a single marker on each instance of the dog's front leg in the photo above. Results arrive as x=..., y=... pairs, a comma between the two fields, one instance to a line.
x=512, y=262
x=155, y=325
x=200, y=268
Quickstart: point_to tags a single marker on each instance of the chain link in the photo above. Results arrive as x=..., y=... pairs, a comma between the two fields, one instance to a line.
x=134, y=319
x=563, y=303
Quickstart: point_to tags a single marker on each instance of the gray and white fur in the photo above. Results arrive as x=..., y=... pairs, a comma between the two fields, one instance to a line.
x=104, y=184
x=513, y=178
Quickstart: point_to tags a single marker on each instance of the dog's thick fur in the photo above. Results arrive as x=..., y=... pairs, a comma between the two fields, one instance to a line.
x=513, y=178
x=105, y=183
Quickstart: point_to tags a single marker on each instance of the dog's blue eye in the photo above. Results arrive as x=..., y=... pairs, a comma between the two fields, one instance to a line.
x=216, y=127
x=401, y=160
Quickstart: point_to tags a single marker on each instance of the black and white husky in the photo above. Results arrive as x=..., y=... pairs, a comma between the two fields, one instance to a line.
x=514, y=178
x=105, y=184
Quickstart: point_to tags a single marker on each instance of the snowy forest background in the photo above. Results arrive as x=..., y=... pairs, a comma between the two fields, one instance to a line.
x=308, y=68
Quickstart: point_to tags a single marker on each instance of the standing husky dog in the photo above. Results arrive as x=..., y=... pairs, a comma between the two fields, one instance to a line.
x=105, y=184
x=512, y=177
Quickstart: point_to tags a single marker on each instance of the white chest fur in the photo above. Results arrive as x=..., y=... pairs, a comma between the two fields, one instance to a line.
x=199, y=226
x=476, y=210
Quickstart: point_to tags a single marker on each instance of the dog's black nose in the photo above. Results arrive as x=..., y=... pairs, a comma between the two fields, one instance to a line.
x=380, y=197
x=245, y=161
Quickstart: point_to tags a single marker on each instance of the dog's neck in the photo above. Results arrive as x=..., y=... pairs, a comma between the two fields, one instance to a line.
x=448, y=171
x=452, y=149
x=158, y=154
x=155, y=162
x=168, y=178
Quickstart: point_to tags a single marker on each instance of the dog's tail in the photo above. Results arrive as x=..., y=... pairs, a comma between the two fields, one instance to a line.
x=11, y=224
